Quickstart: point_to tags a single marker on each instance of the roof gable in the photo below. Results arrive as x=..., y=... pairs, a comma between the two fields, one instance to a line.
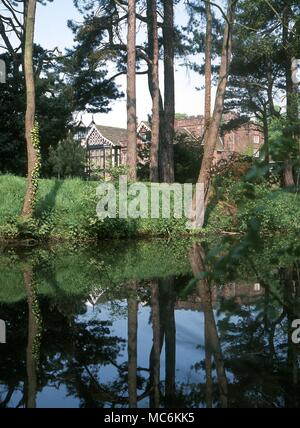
x=116, y=136
x=106, y=135
x=144, y=125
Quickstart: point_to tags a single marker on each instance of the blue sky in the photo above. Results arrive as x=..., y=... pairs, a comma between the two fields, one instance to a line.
x=52, y=31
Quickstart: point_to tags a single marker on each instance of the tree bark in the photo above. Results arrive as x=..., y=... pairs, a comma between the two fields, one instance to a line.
x=29, y=17
x=154, y=86
x=288, y=175
x=266, y=136
x=131, y=92
x=167, y=149
x=215, y=122
x=208, y=53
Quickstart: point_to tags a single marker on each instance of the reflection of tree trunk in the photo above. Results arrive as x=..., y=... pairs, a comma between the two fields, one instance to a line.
x=10, y=392
x=292, y=357
x=208, y=368
x=168, y=298
x=33, y=332
x=155, y=352
x=132, y=346
x=211, y=334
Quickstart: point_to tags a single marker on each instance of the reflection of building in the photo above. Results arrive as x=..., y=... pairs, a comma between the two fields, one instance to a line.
x=107, y=146
x=241, y=293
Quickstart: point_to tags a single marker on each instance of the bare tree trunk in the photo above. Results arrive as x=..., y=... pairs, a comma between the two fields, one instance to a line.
x=29, y=18
x=214, y=127
x=266, y=136
x=155, y=94
x=167, y=152
x=131, y=92
x=208, y=55
x=288, y=175
x=132, y=346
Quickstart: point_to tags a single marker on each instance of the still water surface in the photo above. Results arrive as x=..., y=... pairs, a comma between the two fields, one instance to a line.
x=140, y=324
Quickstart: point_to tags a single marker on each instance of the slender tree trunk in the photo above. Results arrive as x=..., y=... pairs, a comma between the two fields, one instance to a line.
x=266, y=137
x=30, y=12
x=167, y=152
x=288, y=175
x=132, y=346
x=155, y=94
x=131, y=92
x=208, y=55
x=214, y=127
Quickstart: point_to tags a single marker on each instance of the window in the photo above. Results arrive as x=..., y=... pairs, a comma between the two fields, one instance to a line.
x=256, y=139
x=256, y=152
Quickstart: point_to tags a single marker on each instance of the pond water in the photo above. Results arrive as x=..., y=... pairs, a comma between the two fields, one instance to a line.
x=150, y=324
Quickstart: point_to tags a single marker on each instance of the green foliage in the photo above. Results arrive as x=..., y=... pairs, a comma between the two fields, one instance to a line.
x=187, y=158
x=67, y=159
x=238, y=203
x=281, y=142
x=111, y=173
x=66, y=209
x=53, y=113
x=35, y=137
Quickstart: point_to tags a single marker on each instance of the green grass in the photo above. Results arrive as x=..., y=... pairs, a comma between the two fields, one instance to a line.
x=66, y=209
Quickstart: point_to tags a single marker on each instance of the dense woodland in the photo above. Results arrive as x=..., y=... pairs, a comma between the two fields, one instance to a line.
x=246, y=50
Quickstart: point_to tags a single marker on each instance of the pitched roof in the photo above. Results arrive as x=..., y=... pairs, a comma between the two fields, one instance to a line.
x=117, y=136
x=145, y=123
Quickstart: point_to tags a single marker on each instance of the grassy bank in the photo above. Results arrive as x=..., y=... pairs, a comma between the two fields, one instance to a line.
x=66, y=210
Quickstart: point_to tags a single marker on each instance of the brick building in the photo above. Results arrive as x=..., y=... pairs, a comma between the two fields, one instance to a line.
x=107, y=146
x=246, y=139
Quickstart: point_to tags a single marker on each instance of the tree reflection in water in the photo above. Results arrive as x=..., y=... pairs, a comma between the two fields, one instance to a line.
x=127, y=349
